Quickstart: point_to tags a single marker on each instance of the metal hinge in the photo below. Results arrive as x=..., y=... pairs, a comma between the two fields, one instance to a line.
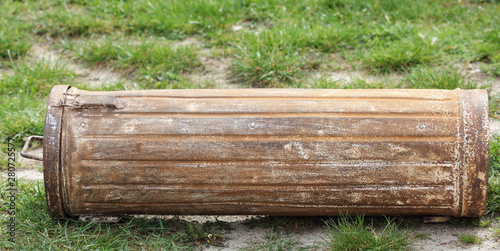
x=78, y=101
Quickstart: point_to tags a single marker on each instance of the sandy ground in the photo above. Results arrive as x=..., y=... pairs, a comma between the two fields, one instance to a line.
x=442, y=236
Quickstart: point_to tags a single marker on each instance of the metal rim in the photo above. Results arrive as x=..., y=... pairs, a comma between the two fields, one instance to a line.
x=475, y=157
x=52, y=152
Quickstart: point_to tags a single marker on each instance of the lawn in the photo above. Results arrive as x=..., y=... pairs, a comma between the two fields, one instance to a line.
x=117, y=45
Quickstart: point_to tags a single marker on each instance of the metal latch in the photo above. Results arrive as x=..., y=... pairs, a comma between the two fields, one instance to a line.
x=79, y=101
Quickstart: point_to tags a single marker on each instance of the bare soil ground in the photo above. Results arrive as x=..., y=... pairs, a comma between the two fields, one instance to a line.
x=90, y=76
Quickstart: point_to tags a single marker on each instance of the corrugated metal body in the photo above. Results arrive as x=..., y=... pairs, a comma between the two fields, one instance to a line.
x=268, y=151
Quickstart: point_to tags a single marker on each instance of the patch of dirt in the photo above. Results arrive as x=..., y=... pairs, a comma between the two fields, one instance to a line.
x=442, y=236
x=445, y=237
x=237, y=27
x=5, y=72
x=189, y=41
x=348, y=76
x=215, y=72
x=494, y=126
x=91, y=77
x=31, y=163
x=28, y=169
x=29, y=174
x=241, y=236
x=495, y=86
x=338, y=69
x=245, y=236
x=474, y=72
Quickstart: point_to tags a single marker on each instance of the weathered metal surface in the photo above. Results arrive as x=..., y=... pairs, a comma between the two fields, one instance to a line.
x=52, y=152
x=267, y=151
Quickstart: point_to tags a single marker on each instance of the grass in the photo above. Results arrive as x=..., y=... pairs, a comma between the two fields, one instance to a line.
x=422, y=235
x=356, y=83
x=171, y=19
x=469, y=238
x=34, y=79
x=37, y=230
x=461, y=221
x=447, y=78
x=489, y=54
x=204, y=234
x=482, y=222
x=491, y=69
x=283, y=43
x=257, y=64
x=399, y=56
x=494, y=176
x=12, y=45
x=384, y=37
x=352, y=233
x=496, y=230
x=24, y=94
x=272, y=49
x=15, y=37
x=150, y=61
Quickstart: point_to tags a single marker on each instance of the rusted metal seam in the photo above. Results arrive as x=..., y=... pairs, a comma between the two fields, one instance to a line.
x=278, y=98
x=258, y=204
x=356, y=187
x=62, y=139
x=461, y=160
x=274, y=138
x=58, y=180
x=333, y=163
x=271, y=162
x=135, y=114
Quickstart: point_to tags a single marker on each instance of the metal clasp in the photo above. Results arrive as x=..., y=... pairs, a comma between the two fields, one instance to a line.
x=27, y=145
x=65, y=101
x=90, y=101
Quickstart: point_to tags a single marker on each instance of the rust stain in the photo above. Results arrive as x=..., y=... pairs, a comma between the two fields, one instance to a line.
x=266, y=151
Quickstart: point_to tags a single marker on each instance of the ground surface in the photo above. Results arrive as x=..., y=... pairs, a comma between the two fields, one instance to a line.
x=119, y=45
x=442, y=236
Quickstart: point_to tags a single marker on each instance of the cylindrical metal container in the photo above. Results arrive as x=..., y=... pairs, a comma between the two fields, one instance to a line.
x=266, y=152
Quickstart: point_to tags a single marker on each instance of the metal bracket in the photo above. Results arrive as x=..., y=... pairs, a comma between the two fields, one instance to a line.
x=67, y=99
x=27, y=145
x=82, y=101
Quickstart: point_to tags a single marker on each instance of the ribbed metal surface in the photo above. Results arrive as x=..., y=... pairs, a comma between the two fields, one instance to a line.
x=275, y=152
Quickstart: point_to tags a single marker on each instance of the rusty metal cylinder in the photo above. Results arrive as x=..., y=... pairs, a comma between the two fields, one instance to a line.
x=266, y=152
